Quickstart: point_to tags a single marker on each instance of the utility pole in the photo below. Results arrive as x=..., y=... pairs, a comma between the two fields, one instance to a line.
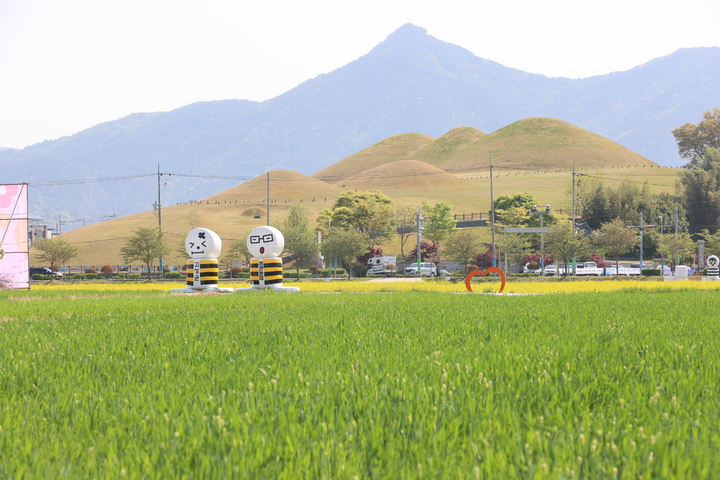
x=534, y=211
x=641, y=228
x=420, y=227
x=492, y=214
x=677, y=259
x=574, y=259
x=268, y=199
x=573, y=196
x=158, y=207
x=662, y=254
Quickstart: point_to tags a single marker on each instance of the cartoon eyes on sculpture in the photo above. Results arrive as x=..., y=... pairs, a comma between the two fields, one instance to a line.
x=257, y=239
x=192, y=246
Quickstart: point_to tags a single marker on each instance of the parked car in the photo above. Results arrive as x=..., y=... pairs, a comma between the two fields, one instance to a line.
x=551, y=270
x=44, y=271
x=426, y=269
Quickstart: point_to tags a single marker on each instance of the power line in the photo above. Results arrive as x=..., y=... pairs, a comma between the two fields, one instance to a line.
x=89, y=180
x=359, y=176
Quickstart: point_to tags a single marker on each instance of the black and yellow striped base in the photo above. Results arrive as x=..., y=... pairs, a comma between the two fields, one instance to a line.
x=266, y=271
x=202, y=273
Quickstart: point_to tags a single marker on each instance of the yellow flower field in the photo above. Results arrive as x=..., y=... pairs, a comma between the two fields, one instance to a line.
x=526, y=287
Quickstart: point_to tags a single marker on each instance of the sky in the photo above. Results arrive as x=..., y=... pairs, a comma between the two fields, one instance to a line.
x=67, y=65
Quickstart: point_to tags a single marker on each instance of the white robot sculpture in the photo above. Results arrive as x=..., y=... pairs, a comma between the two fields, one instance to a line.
x=713, y=268
x=266, y=267
x=203, y=271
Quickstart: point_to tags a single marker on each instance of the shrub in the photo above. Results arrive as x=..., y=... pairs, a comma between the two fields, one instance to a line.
x=313, y=269
x=90, y=270
x=533, y=266
x=173, y=275
x=651, y=272
x=134, y=276
x=106, y=269
x=291, y=275
x=87, y=276
x=471, y=267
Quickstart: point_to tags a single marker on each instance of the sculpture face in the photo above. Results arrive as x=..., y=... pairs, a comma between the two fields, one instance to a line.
x=265, y=242
x=203, y=243
x=713, y=261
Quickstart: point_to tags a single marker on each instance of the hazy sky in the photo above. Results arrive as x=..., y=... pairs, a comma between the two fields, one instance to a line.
x=66, y=65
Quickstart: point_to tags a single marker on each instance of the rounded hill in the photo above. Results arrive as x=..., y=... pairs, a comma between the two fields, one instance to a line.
x=538, y=143
x=285, y=185
x=457, y=145
x=404, y=175
x=392, y=149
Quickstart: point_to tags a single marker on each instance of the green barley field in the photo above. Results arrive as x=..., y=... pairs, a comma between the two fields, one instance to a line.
x=113, y=384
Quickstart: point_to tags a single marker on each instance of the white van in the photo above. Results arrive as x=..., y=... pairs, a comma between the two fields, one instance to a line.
x=426, y=269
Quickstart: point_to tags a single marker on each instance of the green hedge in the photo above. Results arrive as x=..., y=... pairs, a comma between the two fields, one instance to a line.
x=87, y=276
x=326, y=272
x=651, y=272
x=291, y=275
x=173, y=275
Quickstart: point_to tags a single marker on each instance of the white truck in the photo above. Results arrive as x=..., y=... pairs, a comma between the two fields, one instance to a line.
x=622, y=270
x=426, y=269
x=588, y=268
x=386, y=265
x=582, y=269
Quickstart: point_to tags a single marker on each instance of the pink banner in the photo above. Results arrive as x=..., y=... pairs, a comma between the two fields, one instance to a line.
x=14, y=235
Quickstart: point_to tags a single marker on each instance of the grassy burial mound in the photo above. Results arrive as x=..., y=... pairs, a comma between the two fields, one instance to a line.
x=457, y=147
x=402, y=176
x=392, y=149
x=537, y=144
x=531, y=144
x=286, y=186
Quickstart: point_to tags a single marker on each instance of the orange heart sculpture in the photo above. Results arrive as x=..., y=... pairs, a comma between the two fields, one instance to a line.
x=470, y=275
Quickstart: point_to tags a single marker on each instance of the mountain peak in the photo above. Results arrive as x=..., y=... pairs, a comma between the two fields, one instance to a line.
x=409, y=30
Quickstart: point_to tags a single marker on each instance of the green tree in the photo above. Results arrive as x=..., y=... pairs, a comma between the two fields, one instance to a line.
x=237, y=251
x=514, y=211
x=693, y=140
x=615, y=238
x=515, y=246
x=462, y=246
x=564, y=242
x=700, y=188
x=55, y=251
x=712, y=242
x=145, y=245
x=405, y=225
x=438, y=221
x=300, y=241
x=345, y=246
x=676, y=246
x=367, y=212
